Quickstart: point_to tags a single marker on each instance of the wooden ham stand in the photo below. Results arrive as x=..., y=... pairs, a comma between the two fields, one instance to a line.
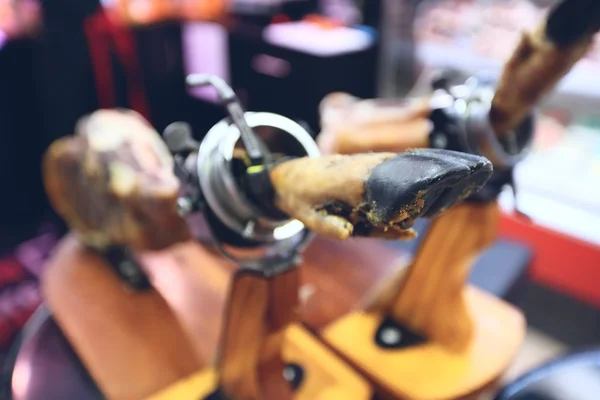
x=431, y=336
x=113, y=182
x=447, y=339
x=135, y=344
x=435, y=337
x=148, y=341
x=427, y=334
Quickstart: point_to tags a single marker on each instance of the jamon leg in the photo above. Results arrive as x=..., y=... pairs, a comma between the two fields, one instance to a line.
x=376, y=194
x=113, y=183
x=541, y=59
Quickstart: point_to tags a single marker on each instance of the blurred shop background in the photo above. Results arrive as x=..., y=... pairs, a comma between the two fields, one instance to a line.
x=61, y=59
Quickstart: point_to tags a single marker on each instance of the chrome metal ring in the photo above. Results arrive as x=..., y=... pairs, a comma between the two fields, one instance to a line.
x=470, y=104
x=220, y=189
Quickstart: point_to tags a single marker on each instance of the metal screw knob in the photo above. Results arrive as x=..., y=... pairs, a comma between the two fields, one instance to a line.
x=178, y=137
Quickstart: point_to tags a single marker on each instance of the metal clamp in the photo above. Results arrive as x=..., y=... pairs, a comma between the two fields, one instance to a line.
x=483, y=140
x=220, y=189
x=460, y=114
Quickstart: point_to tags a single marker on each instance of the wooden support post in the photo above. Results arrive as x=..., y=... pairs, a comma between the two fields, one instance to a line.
x=431, y=299
x=259, y=311
x=260, y=339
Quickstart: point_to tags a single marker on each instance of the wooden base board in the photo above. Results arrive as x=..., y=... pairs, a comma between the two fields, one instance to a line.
x=112, y=328
x=326, y=376
x=131, y=343
x=430, y=371
x=194, y=281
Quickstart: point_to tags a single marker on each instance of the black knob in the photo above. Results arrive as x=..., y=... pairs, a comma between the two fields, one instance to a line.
x=178, y=137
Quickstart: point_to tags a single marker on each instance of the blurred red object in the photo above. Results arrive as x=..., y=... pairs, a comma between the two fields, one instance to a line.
x=19, y=297
x=11, y=272
x=106, y=37
x=569, y=265
x=280, y=19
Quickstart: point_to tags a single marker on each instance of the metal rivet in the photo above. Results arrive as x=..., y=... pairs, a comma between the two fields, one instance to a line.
x=249, y=229
x=184, y=206
x=288, y=373
x=439, y=141
x=391, y=336
x=128, y=269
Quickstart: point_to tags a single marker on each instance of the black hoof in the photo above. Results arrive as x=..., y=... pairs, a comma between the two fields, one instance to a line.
x=480, y=171
x=441, y=178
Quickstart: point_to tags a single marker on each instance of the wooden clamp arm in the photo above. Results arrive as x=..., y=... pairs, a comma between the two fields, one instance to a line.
x=541, y=59
x=376, y=194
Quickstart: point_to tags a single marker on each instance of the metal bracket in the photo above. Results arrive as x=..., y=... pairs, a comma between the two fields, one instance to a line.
x=127, y=267
x=460, y=115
